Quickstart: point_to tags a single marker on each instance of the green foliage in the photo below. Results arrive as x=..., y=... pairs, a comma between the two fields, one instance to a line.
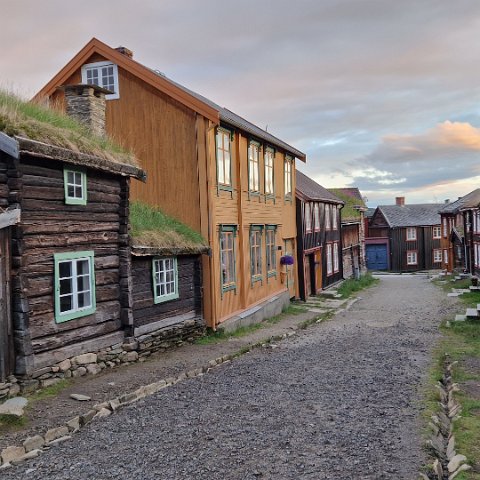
x=350, y=286
x=51, y=391
x=11, y=422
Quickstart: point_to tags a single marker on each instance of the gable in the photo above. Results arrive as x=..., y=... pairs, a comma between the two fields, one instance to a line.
x=378, y=219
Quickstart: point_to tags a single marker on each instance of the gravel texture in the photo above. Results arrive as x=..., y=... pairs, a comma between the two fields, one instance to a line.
x=339, y=401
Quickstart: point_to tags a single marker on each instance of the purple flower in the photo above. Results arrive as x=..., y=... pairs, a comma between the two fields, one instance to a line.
x=286, y=260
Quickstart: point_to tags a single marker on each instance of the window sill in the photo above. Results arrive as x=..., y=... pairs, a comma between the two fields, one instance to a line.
x=228, y=288
x=60, y=318
x=225, y=188
x=271, y=274
x=166, y=298
x=257, y=278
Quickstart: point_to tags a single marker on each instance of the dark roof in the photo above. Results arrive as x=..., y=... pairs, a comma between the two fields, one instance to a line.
x=411, y=215
x=369, y=213
x=237, y=121
x=470, y=200
x=353, y=203
x=308, y=189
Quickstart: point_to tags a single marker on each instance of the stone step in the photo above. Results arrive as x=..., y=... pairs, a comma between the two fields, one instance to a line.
x=453, y=294
x=460, y=318
x=472, y=313
x=473, y=288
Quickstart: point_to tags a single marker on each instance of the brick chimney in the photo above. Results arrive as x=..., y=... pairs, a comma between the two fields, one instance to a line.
x=400, y=201
x=125, y=51
x=86, y=104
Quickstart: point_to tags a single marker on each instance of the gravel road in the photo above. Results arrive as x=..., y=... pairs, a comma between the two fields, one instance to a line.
x=339, y=401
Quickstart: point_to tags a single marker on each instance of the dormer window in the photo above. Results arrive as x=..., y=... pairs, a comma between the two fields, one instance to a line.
x=103, y=74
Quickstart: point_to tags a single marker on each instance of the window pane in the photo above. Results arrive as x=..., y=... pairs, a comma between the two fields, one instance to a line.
x=84, y=300
x=65, y=286
x=83, y=283
x=65, y=269
x=83, y=267
x=66, y=303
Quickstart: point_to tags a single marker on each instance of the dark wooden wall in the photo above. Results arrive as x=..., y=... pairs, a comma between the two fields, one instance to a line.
x=49, y=226
x=145, y=311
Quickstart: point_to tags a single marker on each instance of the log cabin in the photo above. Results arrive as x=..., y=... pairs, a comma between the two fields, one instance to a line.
x=319, y=237
x=63, y=255
x=353, y=231
x=218, y=173
x=460, y=240
x=404, y=238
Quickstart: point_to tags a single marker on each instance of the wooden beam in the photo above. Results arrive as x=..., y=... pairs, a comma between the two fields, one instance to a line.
x=10, y=217
x=9, y=145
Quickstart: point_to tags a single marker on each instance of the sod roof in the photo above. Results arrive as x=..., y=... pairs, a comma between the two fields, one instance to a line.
x=353, y=203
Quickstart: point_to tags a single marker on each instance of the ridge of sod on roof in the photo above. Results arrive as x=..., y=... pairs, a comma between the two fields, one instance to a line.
x=348, y=211
x=150, y=227
x=48, y=125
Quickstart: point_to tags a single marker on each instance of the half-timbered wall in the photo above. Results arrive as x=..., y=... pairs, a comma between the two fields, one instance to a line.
x=351, y=251
x=49, y=226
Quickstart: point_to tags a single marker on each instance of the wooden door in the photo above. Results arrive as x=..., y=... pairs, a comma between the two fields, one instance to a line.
x=289, y=269
x=318, y=271
x=7, y=357
x=307, y=275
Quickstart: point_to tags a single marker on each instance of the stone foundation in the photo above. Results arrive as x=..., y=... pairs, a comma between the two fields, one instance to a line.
x=131, y=350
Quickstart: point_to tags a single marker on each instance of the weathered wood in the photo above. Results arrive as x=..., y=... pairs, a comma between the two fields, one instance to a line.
x=10, y=217
x=58, y=227
x=68, y=240
x=35, y=205
x=9, y=145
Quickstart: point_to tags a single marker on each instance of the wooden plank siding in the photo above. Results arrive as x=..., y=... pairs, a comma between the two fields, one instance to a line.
x=50, y=226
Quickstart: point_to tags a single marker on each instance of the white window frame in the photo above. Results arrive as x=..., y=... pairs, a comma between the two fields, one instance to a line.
x=269, y=161
x=81, y=184
x=308, y=217
x=437, y=255
x=224, y=158
x=316, y=216
x=334, y=217
x=444, y=224
x=329, y=259
x=99, y=65
x=411, y=234
x=161, y=266
x=437, y=232
x=74, y=258
x=288, y=176
x=412, y=257
x=445, y=256
x=328, y=222
x=336, y=263
x=254, y=167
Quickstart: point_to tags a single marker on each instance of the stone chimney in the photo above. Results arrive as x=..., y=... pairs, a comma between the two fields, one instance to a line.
x=447, y=200
x=400, y=201
x=125, y=51
x=86, y=104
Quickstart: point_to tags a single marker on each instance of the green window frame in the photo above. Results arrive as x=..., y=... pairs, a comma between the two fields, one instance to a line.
x=254, y=167
x=227, y=234
x=256, y=264
x=223, y=152
x=269, y=177
x=271, y=250
x=288, y=177
x=165, y=279
x=74, y=285
x=75, y=185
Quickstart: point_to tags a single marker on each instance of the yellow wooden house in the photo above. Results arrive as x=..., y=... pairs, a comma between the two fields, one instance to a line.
x=220, y=174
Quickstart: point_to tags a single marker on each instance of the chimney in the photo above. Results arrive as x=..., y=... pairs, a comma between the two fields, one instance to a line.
x=447, y=200
x=86, y=104
x=400, y=201
x=125, y=51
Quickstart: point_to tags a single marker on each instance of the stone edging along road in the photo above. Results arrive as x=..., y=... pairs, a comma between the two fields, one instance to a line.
x=35, y=445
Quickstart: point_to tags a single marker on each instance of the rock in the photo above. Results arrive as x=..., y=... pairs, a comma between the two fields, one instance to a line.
x=33, y=443
x=100, y=406
x=114, y=404
x=131, y=356
x=13, y=406
x=73, y=425
x=451, y=448
x=27, y=456
x=48, y=382
x=94, y=368
x=65, y=365
x=462, y=468
x=130, y=347
x=86, y=358
x=455, y=463
x=79, y=372
x=29, y=386
x=104, y=412
x=60, y=440
x=80, y=397
x=55, y=433
x=437, y=469
x=11, y=454
x=14, y=390
x=87, y=417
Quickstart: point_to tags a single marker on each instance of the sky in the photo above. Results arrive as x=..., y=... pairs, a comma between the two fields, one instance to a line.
x=383, y=95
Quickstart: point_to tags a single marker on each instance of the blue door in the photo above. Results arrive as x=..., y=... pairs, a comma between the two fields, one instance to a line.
x=377, y=257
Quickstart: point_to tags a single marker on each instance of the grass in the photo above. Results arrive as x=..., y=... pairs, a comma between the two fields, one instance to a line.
x=213, y=337
x=351, y=286
x=11, y=422
x=51, y=391
x=50, y=126
x=153, y=228
x=461, y=342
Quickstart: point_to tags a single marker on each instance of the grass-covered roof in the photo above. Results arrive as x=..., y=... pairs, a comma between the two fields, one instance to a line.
x=353, y=200
x=19, y=118
x=155, y=233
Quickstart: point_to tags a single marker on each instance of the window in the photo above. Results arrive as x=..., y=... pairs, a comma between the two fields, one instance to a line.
x=477, y=254
x=476, y=221
x=269, y=161
x=334, y=218
x=335, y=257
x=444, y=223
x=437, y=255
x=308, y=217
x=103, y=74
x=256, y=252
x=254, y=167
x=74, y=285
x=445, y=256
x=288, y=176
x=224, y=162
x=411, y=233
x=165, y=279
x=75, y=185
x=411, y=257
x=327, y=217
x=437, y=233
x=316, y=217
x=329, y=259
x=271, y=251
x=227, y=257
